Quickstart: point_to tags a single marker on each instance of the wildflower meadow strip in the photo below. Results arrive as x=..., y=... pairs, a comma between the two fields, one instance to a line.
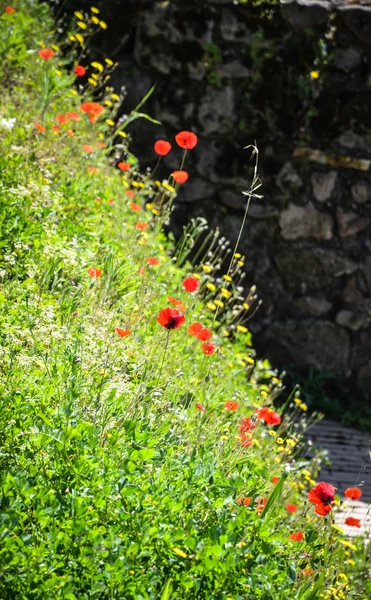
x=141, y=452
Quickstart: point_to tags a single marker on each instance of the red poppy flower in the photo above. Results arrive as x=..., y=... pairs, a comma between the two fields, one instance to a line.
x=88, y=149
x=162, y=147
x=96, y=109
x=306, y=572
x=200, y=407
x=86, y=107
x=46, y=53
x=190, y=284
x=246, y=440
x=152, y=261
x=92, y=170
x=232, y=405
x=322, y=509
x=180, y=176
x=141, y=225
x=176, y=302
x=291, y=508
x=9, y=10
x=70, y=132
x=247, y=425
x=275, y=479
x=244, y=501
x=62, y=119
x=352, y=522
x=130, y=193
x=269, y=416
x=272, y=418
x=186, y=139
x=73, y=115
x=40, y=127
x=204, y=335
x=170, y=318
x=297, y=537
x=208, y=348
x=56, y=129
x=195, y=328
x=353, y=493
x=122, y=332
x=261, y=502
x=123, y=166
x=79, y=70
x=94, y=272
x=135, y=206
x=92, y=118
x=322, y=493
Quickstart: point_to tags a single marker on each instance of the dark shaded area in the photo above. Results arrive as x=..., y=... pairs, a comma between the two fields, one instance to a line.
x=295, y=76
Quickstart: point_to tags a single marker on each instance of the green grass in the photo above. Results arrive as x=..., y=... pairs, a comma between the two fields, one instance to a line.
x=112, y=483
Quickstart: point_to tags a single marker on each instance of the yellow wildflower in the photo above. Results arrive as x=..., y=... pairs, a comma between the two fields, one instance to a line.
x=219, y=303
x=211, y=306
x=94, y=10
x=122, y=133
x=314, y=74
x=179, y=552
x=225, y=293
x=110, y=122
x=246, y=306
x=237, y=255
x=103, y=24
x=227, y=277
x=339, y=529
x=279, y=440
x=79, y=15
x=207, y=268
x=92, y=81
x=79, y=38
x=168, y=187
x=348, y=544
x=81, y=24
x=211, y=287
x=98, y=66
x=95, y=20
x=114, y=96
x=242, y=329
x=108, y=102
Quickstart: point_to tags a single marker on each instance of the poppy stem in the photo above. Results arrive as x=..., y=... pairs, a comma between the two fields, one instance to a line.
x=163, y=356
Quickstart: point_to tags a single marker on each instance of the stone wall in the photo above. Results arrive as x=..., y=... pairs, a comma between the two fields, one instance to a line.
x=294, y=76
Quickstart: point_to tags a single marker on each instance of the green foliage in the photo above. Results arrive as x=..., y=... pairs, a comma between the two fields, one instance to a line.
x=113, y=484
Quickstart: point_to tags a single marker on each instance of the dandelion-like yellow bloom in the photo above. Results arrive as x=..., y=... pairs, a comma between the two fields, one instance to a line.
x=179, y=552
x=168, y=187
x=219, y=303
x=225, y=293
x=115, y=96
x=81, y=24
x=207, y=268
x=227, y=277
x=237, y=255
x=122, y=134
x=79, y=38
x=103, y=24
x=210, y=286
x=314, y=74
x=211, y=306
x=242, y=329
x=110, y=122
x=95, y=20
x=108, y=103
x=92, y=81
x=79, y=15
x=246, y=306
x=98, y=66
x=279, y=440
x=94, y=10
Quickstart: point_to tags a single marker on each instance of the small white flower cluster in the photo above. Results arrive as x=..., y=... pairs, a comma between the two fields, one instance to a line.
x=7, y=124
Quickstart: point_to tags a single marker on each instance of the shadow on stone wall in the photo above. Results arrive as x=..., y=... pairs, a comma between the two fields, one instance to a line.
x=296, y=78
